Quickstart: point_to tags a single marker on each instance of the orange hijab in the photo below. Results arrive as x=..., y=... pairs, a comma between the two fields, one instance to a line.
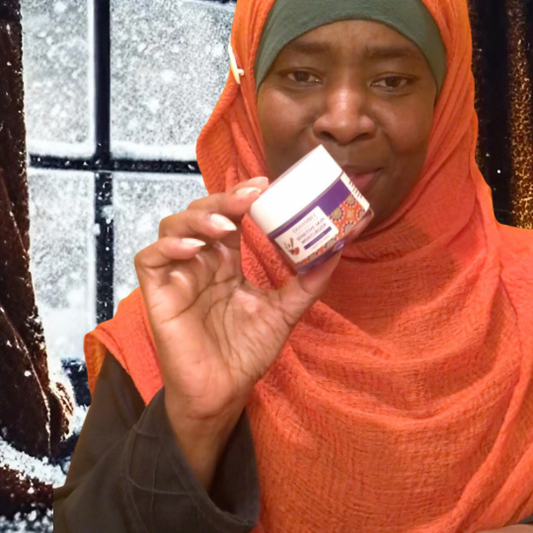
x=403, y=399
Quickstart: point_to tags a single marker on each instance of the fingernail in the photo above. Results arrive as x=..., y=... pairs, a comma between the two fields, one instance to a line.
x=247, y=191
x=261, y=181
x=221, y=222
x=192, y=243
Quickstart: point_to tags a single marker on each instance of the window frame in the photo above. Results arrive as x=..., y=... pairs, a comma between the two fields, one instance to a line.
x=102, y=163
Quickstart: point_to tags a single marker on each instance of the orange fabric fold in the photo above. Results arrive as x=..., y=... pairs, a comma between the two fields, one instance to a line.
x=403, y=399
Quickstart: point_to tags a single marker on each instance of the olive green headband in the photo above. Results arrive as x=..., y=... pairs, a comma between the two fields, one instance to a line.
x=289, y=19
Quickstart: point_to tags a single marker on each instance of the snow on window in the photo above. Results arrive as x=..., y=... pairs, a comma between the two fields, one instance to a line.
x=62, y=259
x=57, y=80
x=169, y=65
x=140, y=201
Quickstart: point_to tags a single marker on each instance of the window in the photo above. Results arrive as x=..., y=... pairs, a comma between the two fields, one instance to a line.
x=116, y=93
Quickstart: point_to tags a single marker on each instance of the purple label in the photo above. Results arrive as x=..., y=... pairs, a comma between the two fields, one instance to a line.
x=314, y=241
x=328, y=201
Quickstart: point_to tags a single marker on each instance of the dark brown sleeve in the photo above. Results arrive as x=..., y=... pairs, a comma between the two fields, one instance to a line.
x=528, y=520
x=128, y=474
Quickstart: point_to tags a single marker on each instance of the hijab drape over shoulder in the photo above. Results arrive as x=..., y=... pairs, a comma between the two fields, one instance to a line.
x=403, y=397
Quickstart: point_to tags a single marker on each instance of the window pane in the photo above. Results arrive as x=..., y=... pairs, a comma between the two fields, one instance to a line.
x=169, y=64
x=63, y=269
x=62, y=259
x=140, y=201
x=56, y=77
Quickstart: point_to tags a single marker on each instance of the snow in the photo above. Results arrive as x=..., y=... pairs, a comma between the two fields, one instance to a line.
x=60, y=149
x=58, y=95
x=130, y=150
x=169, y=66
x=78, y=417
x=140, y=202
x=29, y=466
x=62, y=258
x=30, y=523
x=60, y=7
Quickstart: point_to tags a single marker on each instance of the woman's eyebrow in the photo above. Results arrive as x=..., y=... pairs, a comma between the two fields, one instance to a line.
x=311, y=48
x=382, y=53
x=369, y=52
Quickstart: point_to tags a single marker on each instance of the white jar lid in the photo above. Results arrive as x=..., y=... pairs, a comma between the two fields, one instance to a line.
x=295, y=189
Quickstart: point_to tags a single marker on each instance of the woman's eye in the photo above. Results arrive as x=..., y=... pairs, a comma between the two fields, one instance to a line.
x=392, y=82
x=301, y=76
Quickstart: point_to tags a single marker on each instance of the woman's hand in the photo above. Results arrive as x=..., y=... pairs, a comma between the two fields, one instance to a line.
x=215, y=333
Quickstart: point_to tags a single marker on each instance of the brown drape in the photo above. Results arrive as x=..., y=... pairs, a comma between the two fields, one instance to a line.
x=520, y=51
x=33, y=415
x=503, y=66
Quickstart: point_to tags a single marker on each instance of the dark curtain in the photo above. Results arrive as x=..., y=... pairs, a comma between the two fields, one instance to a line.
x=503, y=66
x=33, y=412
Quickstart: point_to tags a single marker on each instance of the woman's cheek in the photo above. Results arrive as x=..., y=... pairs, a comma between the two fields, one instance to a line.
x=409, y=133
x=288, y=136
x=275, y=119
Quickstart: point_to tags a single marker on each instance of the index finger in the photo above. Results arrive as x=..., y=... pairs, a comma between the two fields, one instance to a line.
x=195, y=220
x=234, y=202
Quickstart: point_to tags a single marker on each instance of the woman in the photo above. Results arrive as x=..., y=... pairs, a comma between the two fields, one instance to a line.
x=387, y=389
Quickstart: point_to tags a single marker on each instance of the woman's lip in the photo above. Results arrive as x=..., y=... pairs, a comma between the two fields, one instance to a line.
x=362, y=181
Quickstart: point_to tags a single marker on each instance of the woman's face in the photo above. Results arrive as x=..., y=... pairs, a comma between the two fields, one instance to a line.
x=363, y=91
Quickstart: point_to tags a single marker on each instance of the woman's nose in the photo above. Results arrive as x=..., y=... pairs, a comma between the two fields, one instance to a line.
x=344, y=116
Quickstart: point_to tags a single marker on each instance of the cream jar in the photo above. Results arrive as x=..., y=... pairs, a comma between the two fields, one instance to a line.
x=311, y=211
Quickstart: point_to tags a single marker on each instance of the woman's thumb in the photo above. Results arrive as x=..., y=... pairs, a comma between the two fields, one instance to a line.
x=303, y=291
